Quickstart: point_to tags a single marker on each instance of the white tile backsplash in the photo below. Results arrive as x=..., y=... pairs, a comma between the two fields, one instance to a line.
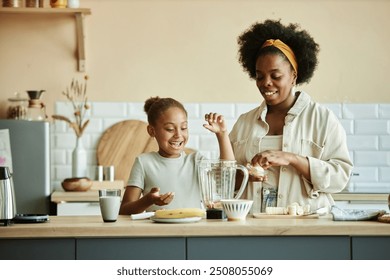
x=360, y=111
x=372, y=127
x=367, y=127
x=384, y=111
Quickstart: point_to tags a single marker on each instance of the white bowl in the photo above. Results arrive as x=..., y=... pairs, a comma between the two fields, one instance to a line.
x=236, y=209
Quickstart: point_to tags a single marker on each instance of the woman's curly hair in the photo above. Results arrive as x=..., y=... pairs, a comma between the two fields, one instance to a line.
x=300, y=41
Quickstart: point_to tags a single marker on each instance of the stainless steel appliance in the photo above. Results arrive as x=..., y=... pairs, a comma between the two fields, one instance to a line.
x=30, y=148
x=7, y=196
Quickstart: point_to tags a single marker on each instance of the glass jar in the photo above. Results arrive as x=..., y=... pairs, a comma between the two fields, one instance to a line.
x=36, y=110
x=17, y=108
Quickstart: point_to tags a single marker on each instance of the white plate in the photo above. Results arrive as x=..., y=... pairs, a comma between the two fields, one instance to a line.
x=177, y=220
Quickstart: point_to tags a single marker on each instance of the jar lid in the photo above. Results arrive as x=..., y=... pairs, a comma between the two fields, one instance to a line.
x=17, y=98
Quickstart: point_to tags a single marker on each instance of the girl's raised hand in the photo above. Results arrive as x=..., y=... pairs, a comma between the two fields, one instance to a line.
x=215, y=123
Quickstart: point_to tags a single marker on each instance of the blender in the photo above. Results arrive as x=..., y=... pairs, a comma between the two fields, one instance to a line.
x=217, y=179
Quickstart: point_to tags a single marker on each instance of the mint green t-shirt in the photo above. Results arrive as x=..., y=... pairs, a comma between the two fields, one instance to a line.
x=178, y=175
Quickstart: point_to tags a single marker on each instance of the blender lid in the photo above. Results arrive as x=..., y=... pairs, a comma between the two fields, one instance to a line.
x=4, y=173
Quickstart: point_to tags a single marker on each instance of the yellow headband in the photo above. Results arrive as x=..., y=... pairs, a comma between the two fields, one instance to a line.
x=286, y=50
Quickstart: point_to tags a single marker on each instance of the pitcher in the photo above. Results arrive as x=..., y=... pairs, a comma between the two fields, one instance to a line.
x=217, y=180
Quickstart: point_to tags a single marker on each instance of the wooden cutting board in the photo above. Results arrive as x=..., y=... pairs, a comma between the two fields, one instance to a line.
x=121, y=143
x=268, y=216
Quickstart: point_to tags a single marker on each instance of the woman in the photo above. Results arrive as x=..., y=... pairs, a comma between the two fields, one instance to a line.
x=300, y=144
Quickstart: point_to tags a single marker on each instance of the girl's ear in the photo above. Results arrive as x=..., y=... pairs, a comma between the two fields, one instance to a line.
x=150, y=130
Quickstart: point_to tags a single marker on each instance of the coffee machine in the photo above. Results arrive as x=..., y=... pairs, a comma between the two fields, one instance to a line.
x=7, y=196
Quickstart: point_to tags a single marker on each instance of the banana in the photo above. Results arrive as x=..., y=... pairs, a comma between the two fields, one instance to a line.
x=179, y=213
x=276, y=210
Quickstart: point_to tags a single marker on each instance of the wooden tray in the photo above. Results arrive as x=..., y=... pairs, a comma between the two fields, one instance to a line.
x=268, y=216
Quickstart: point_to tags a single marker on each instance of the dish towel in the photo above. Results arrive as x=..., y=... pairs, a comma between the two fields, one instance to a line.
x=355, y=214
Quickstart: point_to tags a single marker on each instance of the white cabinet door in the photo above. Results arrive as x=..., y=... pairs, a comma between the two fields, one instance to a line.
x=78, y=209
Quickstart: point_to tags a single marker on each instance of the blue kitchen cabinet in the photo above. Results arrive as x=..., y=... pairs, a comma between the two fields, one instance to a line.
x=371, y=248
x=37, y=249
x=131, y=248
x=269, y=248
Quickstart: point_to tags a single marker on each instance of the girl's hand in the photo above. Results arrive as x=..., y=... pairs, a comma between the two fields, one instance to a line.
x=160, y=200
x=267, y=159
x=215, y=123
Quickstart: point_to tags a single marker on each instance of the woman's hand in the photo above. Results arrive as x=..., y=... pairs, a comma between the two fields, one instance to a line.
x=267, y=159
x=160, y=200
x=256, y=173
x=215, y=123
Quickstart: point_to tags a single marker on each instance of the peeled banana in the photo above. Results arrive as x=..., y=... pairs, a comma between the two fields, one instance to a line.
x=179, y=213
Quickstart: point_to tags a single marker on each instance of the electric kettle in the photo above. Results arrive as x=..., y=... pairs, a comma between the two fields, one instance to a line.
x=7, y=196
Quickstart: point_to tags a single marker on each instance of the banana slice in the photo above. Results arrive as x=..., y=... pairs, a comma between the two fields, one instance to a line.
x=255, y=170
x=276, y=210
x=179, y=213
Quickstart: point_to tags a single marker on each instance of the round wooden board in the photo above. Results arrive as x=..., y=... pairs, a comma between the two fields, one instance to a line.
x=121, y=143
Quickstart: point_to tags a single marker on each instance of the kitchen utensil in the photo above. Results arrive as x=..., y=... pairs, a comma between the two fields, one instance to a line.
x=217, y=180
x=7, y=196
x=236, y=209
x=177, y=220
x=141, y=216
x=286, y=216
x=36, y=108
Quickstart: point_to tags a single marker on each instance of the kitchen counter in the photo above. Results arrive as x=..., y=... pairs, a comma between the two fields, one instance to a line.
x=88, y=237
x=60, y=196
x=87, y=226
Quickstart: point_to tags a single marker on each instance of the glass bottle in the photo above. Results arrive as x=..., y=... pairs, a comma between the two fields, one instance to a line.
x=17, y=109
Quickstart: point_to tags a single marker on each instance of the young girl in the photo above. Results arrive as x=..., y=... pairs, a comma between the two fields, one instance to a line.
x=168, y=178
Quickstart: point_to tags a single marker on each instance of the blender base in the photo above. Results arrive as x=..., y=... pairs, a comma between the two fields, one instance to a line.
x=215, y=214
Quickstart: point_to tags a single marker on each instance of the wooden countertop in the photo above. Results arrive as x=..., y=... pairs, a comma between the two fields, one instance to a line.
x=60, y=196
x=93, y=226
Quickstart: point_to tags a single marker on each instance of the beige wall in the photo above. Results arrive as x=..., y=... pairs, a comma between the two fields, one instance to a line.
x=187, y=49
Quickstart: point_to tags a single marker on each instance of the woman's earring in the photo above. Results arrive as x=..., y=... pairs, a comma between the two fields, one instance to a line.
x=293, y=90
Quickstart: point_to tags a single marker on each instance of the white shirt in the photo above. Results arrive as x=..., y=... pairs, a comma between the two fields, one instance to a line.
x=310, y=130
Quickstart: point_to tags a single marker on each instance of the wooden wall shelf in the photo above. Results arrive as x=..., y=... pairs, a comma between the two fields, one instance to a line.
x=79, y=18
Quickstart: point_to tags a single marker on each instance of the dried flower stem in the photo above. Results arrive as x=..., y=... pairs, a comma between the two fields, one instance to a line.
x=77, y=95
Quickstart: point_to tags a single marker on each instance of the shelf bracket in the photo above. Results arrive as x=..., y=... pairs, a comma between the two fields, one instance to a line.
x=80, y=42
